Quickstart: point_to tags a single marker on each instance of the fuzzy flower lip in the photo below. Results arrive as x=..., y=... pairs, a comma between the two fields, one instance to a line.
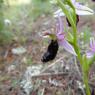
x=60, y=37
x=90, y=53
x=80, y=10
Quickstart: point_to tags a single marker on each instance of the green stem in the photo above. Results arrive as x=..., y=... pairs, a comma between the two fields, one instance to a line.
x=76, y=47
x=79, y=56
x=72, y=19
x=85, y=74
x=86, y=82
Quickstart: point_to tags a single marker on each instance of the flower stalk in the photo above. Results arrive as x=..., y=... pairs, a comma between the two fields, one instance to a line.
x=71, y=16
x=86, y=82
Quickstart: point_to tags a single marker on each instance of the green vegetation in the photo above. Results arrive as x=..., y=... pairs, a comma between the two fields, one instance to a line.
x=21, y=16
x=87, y=34
x=5, y=36
x=40, y=7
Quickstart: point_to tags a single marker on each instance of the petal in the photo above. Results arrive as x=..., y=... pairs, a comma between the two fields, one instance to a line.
x=83, y=7
x=59, y=13
x=68, y=47
x=83, y=10
x=92, y=44
x=60, y=25
x=89, y=54
x=73, y=1
x=80, y=10
x=60, y=36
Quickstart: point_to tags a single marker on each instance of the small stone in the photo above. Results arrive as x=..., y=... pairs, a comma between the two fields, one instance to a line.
x=18, y=50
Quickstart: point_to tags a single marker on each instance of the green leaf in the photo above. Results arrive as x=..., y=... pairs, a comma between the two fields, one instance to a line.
x=85, y=64
x=87, y=34
x=67, y=13
x=70, y=37
x=72, y=10
x=70, y=4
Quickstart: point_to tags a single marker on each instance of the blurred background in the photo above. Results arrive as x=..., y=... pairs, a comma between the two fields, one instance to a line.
x=24, y=16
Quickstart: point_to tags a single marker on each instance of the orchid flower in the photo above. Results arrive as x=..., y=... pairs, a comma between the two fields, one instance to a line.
x=80, y=9
x=60, y=37
x=90, y=53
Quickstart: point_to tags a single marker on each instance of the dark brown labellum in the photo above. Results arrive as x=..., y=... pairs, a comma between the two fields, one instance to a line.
x=92, y=93
x=51, y=52
x=77, y=20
